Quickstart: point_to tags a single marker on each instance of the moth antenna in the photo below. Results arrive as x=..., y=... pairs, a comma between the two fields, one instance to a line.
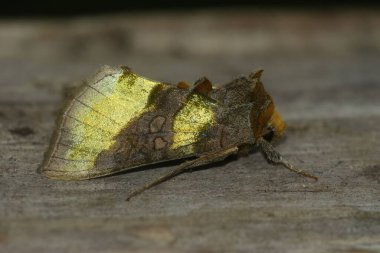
x=206, y=159
x=181, y=168
x=276, y=158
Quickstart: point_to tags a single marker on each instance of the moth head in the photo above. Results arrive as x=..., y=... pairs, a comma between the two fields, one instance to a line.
x=266, y=122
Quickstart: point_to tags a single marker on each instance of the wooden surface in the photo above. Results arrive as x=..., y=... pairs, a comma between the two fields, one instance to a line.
x=322, y=69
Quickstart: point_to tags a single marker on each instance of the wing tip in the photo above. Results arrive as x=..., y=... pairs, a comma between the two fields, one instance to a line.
x=62, y=175
x=46, y=169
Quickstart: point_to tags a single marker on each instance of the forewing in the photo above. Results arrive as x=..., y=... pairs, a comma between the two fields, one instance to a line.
x=92, y=119
x=175, y=129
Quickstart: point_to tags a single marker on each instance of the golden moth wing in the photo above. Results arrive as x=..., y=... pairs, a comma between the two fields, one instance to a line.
x=170, y=132
x=190, y=123
x=93, y=118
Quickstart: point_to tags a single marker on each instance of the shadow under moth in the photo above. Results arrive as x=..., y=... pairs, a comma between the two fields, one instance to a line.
x=119, y=120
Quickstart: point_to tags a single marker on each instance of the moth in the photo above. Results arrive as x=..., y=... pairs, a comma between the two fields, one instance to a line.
x=119, y=120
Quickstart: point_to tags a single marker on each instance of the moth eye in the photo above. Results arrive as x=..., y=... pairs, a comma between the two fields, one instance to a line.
x=268, y=134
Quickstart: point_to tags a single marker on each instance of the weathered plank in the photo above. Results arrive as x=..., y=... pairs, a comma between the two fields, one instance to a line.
x=322, y=70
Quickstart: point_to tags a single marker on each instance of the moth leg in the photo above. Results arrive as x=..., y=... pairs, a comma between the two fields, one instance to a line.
x=202, y=160
x=274, y=157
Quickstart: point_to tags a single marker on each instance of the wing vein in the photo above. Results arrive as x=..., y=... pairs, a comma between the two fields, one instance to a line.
x=70, y=160
x=101, y=93
x=96, y=128
x=118, y=123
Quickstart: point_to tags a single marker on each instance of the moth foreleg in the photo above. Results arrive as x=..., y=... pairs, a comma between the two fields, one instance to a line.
x=276, y=158
x=202, y=160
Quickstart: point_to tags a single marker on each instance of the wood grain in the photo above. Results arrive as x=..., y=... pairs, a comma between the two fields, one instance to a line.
x=322, y=69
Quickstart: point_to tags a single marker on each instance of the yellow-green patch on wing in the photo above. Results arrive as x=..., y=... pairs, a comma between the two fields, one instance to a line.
x=93, y=119
x=196, y=115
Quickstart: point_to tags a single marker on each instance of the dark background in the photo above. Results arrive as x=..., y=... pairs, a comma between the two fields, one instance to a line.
x=11, y=9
